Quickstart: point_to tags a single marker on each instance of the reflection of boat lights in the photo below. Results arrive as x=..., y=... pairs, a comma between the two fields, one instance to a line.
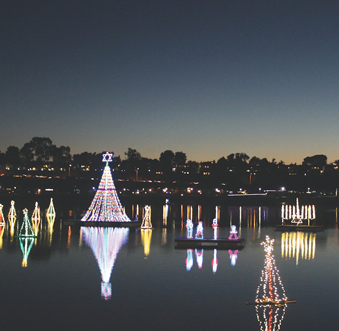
x=105, y=244
x=2, y=218
x=233, y=257
x=165, y=214
x=296, y=244
x=215, y=261
x=146, y=237
x=199, y=254
x=189, y=259
x=2, y=230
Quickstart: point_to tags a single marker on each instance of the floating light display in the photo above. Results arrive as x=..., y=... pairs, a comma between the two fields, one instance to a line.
x=106, y=206
x=2, y=218
x=297, y=215
x=189, y=259
x=215, y=228
x=146, y=222
x=298, y=244
x=105, y=244
x=36, y=219
x=199, y=254
x=12, y=217
x=271, y=300
x=50, y=215
x=189, y=227
x=215, y=261
x=200, y=231
x=26, y=229
x=233, y=233
x=146, y=237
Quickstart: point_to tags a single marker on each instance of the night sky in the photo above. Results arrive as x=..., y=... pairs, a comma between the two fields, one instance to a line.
x=208, y=78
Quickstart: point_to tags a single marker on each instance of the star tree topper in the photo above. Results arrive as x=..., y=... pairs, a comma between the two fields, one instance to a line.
x=107, y=157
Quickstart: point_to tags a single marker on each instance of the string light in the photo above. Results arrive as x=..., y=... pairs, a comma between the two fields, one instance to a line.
x=26, y=229
x=36, y=218
x=200, y=231
x=106, y=206
x=146, y=222
x=199, y=254
x=296, y=214
x=233, y=233
x=189, y=259
x=189, y=227
x=2, y=218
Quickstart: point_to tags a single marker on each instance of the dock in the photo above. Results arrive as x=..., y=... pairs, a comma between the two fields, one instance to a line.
x=209, y=243
x=291, y=227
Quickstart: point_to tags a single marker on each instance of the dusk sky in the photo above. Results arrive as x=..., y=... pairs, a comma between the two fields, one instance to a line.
x=208, y=78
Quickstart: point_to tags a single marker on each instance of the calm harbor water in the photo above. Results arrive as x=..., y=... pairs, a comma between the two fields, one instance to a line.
x=128, y=279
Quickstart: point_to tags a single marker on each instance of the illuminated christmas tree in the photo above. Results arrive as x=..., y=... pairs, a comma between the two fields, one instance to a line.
x=50, y=215
x=271, y=300
x=105, y=244
x=26, y=229
x=106, y=206
x=146, y=222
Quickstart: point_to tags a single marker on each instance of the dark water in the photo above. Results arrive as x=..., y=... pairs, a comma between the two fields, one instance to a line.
x=127, y=279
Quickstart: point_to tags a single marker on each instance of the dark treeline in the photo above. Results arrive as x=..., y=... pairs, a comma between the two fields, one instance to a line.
x=172, y=172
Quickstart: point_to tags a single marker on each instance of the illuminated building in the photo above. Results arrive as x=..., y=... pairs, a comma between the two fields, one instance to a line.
x=146, y=222
x=298, y=244
x=105, y=244
x=106, y=206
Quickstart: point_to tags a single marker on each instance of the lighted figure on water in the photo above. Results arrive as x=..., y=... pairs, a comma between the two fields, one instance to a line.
x=2, y=218
x=233, y=233
x=105, y=244
x=199, y=254
x=296, y=215
x=200, y=231
x=189, y=259
x=50, y=215
x=106, y=206
x=26, y=229
x=146, y=237
x=233, y=257
x=12, y=217
x=36, y=219
x=215, y=261
x=189, y=227
x=215, y=228
x=146, y=222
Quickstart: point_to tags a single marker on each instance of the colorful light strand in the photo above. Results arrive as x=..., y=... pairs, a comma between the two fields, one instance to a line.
x=189, y=227
x=106, y=206
x=200, y=231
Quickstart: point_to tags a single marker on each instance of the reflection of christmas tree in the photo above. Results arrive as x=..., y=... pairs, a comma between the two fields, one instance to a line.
x=271, y=300
x=106, y=206
x=146, y=237
x=105, y=244
x=26, y=244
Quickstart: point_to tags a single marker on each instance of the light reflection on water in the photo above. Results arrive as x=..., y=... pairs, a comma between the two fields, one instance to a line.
x=173, y=289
